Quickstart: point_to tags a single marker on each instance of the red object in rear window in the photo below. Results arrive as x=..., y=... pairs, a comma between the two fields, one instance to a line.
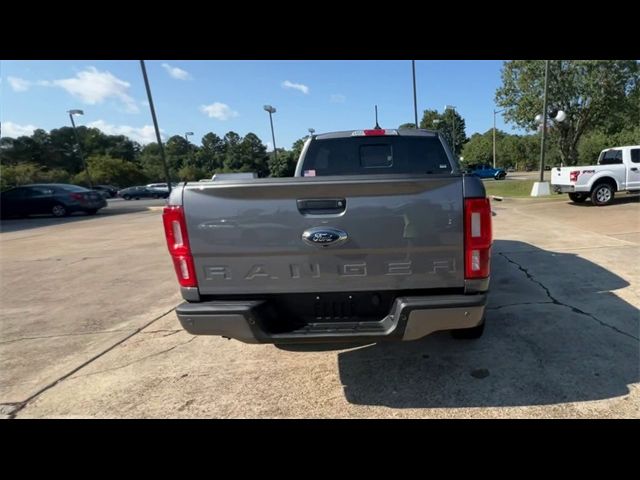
x=77, y=196
x=175, y=230
x=478, y=236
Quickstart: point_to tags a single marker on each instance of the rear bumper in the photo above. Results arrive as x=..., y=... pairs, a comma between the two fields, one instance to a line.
x=564, y=188
x=410, y=318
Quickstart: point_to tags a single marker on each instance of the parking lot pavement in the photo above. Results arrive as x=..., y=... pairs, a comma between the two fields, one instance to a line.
x=561, y=337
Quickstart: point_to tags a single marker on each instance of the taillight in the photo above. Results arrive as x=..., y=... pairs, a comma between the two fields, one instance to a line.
x=573, y=176
x=77, y=196
x=375, y=132
x=175, y=230
x=477, y=237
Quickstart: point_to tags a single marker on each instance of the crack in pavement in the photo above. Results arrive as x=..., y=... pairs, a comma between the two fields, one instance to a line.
x=558, y=302
x=138, y=359
x=21, y=405
x=518, y=304
x=60, y=335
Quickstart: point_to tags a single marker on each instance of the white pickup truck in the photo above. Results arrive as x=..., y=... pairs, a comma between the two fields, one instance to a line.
x=618, y=169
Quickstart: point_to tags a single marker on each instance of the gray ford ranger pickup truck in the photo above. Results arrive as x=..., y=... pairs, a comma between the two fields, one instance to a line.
x=378, y=236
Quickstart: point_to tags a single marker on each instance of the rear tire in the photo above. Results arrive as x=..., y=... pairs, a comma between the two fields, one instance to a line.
x=501, y=176
x=127, y=197
x=602, y=194
x=472, y=333
x=578, y=197
x=59, y=210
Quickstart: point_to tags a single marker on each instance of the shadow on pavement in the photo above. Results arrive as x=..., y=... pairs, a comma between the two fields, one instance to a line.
x=617, y=200
x=533, y=352
x=37, y=221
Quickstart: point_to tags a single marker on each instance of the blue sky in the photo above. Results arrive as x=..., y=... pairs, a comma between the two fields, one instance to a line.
x=223, y=95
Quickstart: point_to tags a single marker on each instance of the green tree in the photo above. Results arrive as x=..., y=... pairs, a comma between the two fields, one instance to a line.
x=284, y=165
x=592, y=93
x=407, y=126
x=191, y=173
x=29, y=172
x=111, y=171
x=445, y=123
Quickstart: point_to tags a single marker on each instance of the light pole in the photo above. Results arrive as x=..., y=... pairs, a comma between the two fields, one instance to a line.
x=155, y=124
x=415, y=101
x=544, y=118
x=494, y=135
x=186, y=135
x=311, y=131
x=452, y=108
x=271, y=111
x=75, y=132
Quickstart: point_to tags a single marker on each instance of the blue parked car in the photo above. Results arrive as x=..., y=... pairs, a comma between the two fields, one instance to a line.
x=486, y=171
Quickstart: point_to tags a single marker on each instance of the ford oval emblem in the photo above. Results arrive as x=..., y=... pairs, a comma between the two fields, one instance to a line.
x=324, y=236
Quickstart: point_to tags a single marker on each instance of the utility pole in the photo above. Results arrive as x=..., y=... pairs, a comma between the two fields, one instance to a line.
x=155, y=124
x=415, y=101
x=544, y=118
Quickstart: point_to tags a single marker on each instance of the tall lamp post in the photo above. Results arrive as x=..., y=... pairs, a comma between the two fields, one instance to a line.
x=75, y=132
x=415, y=101
x=311, y=131
x=155, y=124
x=542, y=187
x=494, y=135
x=271, y=110
x=452, y=108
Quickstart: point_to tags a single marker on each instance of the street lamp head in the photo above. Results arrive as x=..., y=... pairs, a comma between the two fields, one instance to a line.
x=75, y=111
x=269, y=109
x=188, y=133
x=312, y=131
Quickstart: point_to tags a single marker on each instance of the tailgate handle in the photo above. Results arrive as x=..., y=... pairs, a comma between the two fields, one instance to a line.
x=322, y=206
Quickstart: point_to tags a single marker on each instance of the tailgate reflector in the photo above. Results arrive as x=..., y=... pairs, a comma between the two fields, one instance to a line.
x=477, y=237
x=175, y=230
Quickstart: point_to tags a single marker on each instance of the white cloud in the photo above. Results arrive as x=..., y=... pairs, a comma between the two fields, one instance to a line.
x=13, y=130
x=220, y=111
x=176, y=72
x=19, y=84
x=296, y=86
x=143, y=135
x=337, y=98
x=92, y=87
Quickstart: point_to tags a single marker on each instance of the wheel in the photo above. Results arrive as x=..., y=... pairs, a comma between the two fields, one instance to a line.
x=468, y=333
x=59, y=210
x=602, y=194
x=127, y=197
x=501, y=176
x=92, y=211
x=578, y=197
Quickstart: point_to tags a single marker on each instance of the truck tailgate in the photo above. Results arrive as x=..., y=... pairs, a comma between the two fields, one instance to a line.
x=401, y=233
x=560, y=176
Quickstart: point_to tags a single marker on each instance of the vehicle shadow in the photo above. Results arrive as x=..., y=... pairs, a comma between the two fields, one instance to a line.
x=9, y=225
x=617, y=200
x=576, y=345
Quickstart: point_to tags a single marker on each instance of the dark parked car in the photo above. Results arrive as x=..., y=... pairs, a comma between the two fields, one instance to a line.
x=108, y=191
x=57, y=199
x=142, y=192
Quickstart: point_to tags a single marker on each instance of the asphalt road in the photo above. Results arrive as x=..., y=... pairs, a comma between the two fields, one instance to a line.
x=88, y=330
